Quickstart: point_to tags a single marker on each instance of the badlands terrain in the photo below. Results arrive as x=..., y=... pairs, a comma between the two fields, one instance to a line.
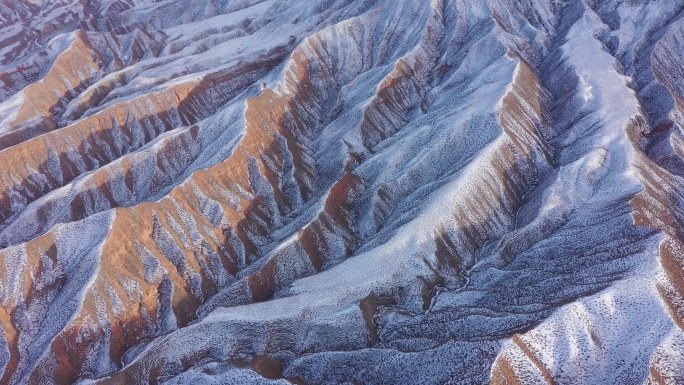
x=341, y=192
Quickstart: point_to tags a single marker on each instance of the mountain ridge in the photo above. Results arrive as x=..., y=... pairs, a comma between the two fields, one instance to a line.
x=344, y=191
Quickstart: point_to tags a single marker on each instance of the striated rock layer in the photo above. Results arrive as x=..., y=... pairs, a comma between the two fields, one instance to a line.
x=342, y=191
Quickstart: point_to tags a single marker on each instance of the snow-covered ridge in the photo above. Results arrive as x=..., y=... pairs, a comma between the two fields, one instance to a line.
x=341, y=191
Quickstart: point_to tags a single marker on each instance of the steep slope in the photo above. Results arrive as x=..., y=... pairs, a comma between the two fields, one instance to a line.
x=341, y=191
